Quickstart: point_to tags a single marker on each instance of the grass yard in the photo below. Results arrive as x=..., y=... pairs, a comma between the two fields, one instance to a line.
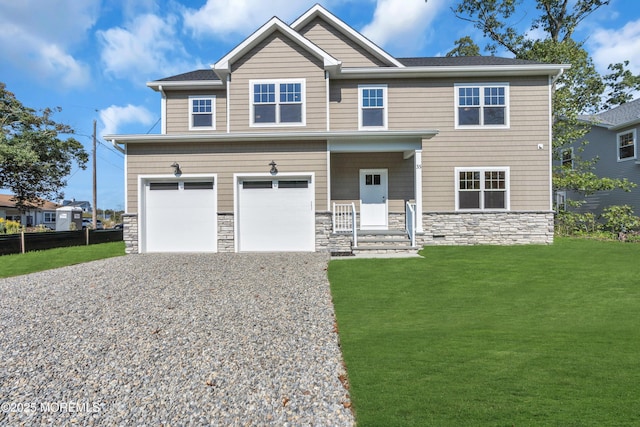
x=493, y=336
x=30, y=262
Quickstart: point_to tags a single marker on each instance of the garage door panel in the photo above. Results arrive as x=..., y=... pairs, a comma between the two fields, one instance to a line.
x=276, y=218
x=180, y=219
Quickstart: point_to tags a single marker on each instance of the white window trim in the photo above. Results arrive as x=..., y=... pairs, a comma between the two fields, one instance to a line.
x=213, y=112
x=562, y=151
x=635, y=145
x=507, y=110
x=385, y=115
x=277, y=83
x=482, y=170
x=561, y=200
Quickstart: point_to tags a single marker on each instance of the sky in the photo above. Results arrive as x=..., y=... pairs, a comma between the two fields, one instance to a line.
x=93, y=58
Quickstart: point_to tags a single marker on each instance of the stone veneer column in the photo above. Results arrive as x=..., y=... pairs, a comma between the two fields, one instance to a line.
x=226, y=235
x=130, y=232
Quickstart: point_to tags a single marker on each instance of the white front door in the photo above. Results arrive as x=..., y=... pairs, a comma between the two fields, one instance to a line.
x=373, y=199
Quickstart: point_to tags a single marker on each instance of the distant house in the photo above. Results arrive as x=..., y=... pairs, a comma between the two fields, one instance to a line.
x=34, y=215
x=309, y=137
x=83, y=204
x=613, y=139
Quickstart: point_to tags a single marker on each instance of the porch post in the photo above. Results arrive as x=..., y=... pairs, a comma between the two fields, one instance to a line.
x=418, y=186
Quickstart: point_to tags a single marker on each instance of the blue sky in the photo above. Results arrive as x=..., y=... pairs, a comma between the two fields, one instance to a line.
x=93, y=58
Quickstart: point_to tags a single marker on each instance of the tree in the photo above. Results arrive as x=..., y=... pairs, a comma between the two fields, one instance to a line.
x=577, y=91
x=34, y=159
x=465, y=46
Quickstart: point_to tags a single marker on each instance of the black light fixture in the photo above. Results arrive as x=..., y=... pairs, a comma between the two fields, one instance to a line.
x=176, y=168
x=274, y=169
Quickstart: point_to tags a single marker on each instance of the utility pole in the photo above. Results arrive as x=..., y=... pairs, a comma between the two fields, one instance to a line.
x=94, y=213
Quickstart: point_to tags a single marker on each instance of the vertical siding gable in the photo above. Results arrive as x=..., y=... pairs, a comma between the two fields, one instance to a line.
x=341, y=47
x=278, y=57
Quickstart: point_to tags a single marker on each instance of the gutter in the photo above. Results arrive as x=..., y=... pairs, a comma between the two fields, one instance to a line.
x=117, y=147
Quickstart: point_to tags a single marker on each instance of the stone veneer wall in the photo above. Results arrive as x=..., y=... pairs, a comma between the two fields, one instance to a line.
x=486, y=228
x=130, y=232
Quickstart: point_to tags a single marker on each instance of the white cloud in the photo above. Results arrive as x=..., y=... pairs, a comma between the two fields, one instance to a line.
x=613, y=46
x=147, y=47
x=224, y=17
x=403, y=25
x=114, y=117
x=37, y=37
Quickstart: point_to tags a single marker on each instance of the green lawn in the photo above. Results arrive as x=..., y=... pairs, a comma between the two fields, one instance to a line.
x=493, y=336
x=30, y=262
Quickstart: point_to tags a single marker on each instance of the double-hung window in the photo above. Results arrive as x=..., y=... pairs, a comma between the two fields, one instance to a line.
x=567, y=158
x=372, y=112
x=482, y=105
x=626, y=142
x=482, y=188
x=279, y=102
x=202, y=112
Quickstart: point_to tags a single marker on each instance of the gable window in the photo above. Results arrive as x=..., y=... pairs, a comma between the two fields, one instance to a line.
x=567, y=158
x=626, y=145
x=277, y=102
x=482, y=188
x=482, y=105
x=201, y=112
x=372, y=113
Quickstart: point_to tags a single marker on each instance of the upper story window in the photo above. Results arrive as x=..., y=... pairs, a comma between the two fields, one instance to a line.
x=567, y=158
x=626, y=145
x=372, y=111
x=482, y=105
x=482, y=188
x=202, y=112
x=280, y=102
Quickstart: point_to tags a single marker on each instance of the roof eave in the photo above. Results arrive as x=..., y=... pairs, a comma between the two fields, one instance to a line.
x=272, y=136
x=159, y=85
x=454, y=71
x=620, y=126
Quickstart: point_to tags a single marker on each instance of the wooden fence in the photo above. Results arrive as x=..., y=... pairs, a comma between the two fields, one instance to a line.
x=26, y=242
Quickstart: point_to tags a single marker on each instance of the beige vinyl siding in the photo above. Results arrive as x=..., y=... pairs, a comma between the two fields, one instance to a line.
x=278, y=57
x=345, y=177
x=516, y=148
x=429, y=104
x=225, y=159
x=178, y=111
x=336, y=44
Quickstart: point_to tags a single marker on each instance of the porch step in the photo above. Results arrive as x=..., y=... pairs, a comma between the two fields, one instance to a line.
x=384, y=241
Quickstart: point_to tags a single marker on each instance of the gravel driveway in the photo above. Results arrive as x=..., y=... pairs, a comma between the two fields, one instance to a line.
x=173, y=339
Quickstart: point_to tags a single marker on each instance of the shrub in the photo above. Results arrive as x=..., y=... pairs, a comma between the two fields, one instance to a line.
x=572, y=223
x=9, y=227
x=620, y=219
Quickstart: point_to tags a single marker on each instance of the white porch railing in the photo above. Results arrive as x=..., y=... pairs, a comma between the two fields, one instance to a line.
x=410, y=222
x=344, y=220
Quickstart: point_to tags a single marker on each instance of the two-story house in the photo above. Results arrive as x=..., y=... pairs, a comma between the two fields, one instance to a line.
x=613, y=141
x=309, y=137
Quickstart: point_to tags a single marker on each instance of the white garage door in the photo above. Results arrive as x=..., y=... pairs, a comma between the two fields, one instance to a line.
x=180, y=216
x=276, y=215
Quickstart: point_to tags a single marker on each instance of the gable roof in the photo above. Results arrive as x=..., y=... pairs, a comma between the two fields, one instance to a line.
x=448, y=61
x=223, y=67
x=621, y=116
x=7, y=201
x=318, y=11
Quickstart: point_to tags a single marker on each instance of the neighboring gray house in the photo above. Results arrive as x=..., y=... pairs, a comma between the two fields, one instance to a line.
x=309, y=137
x=83, y=204
x=613, y=138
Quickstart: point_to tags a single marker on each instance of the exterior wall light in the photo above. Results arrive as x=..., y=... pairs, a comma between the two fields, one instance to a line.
x=274, y=169
x=176, y=168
